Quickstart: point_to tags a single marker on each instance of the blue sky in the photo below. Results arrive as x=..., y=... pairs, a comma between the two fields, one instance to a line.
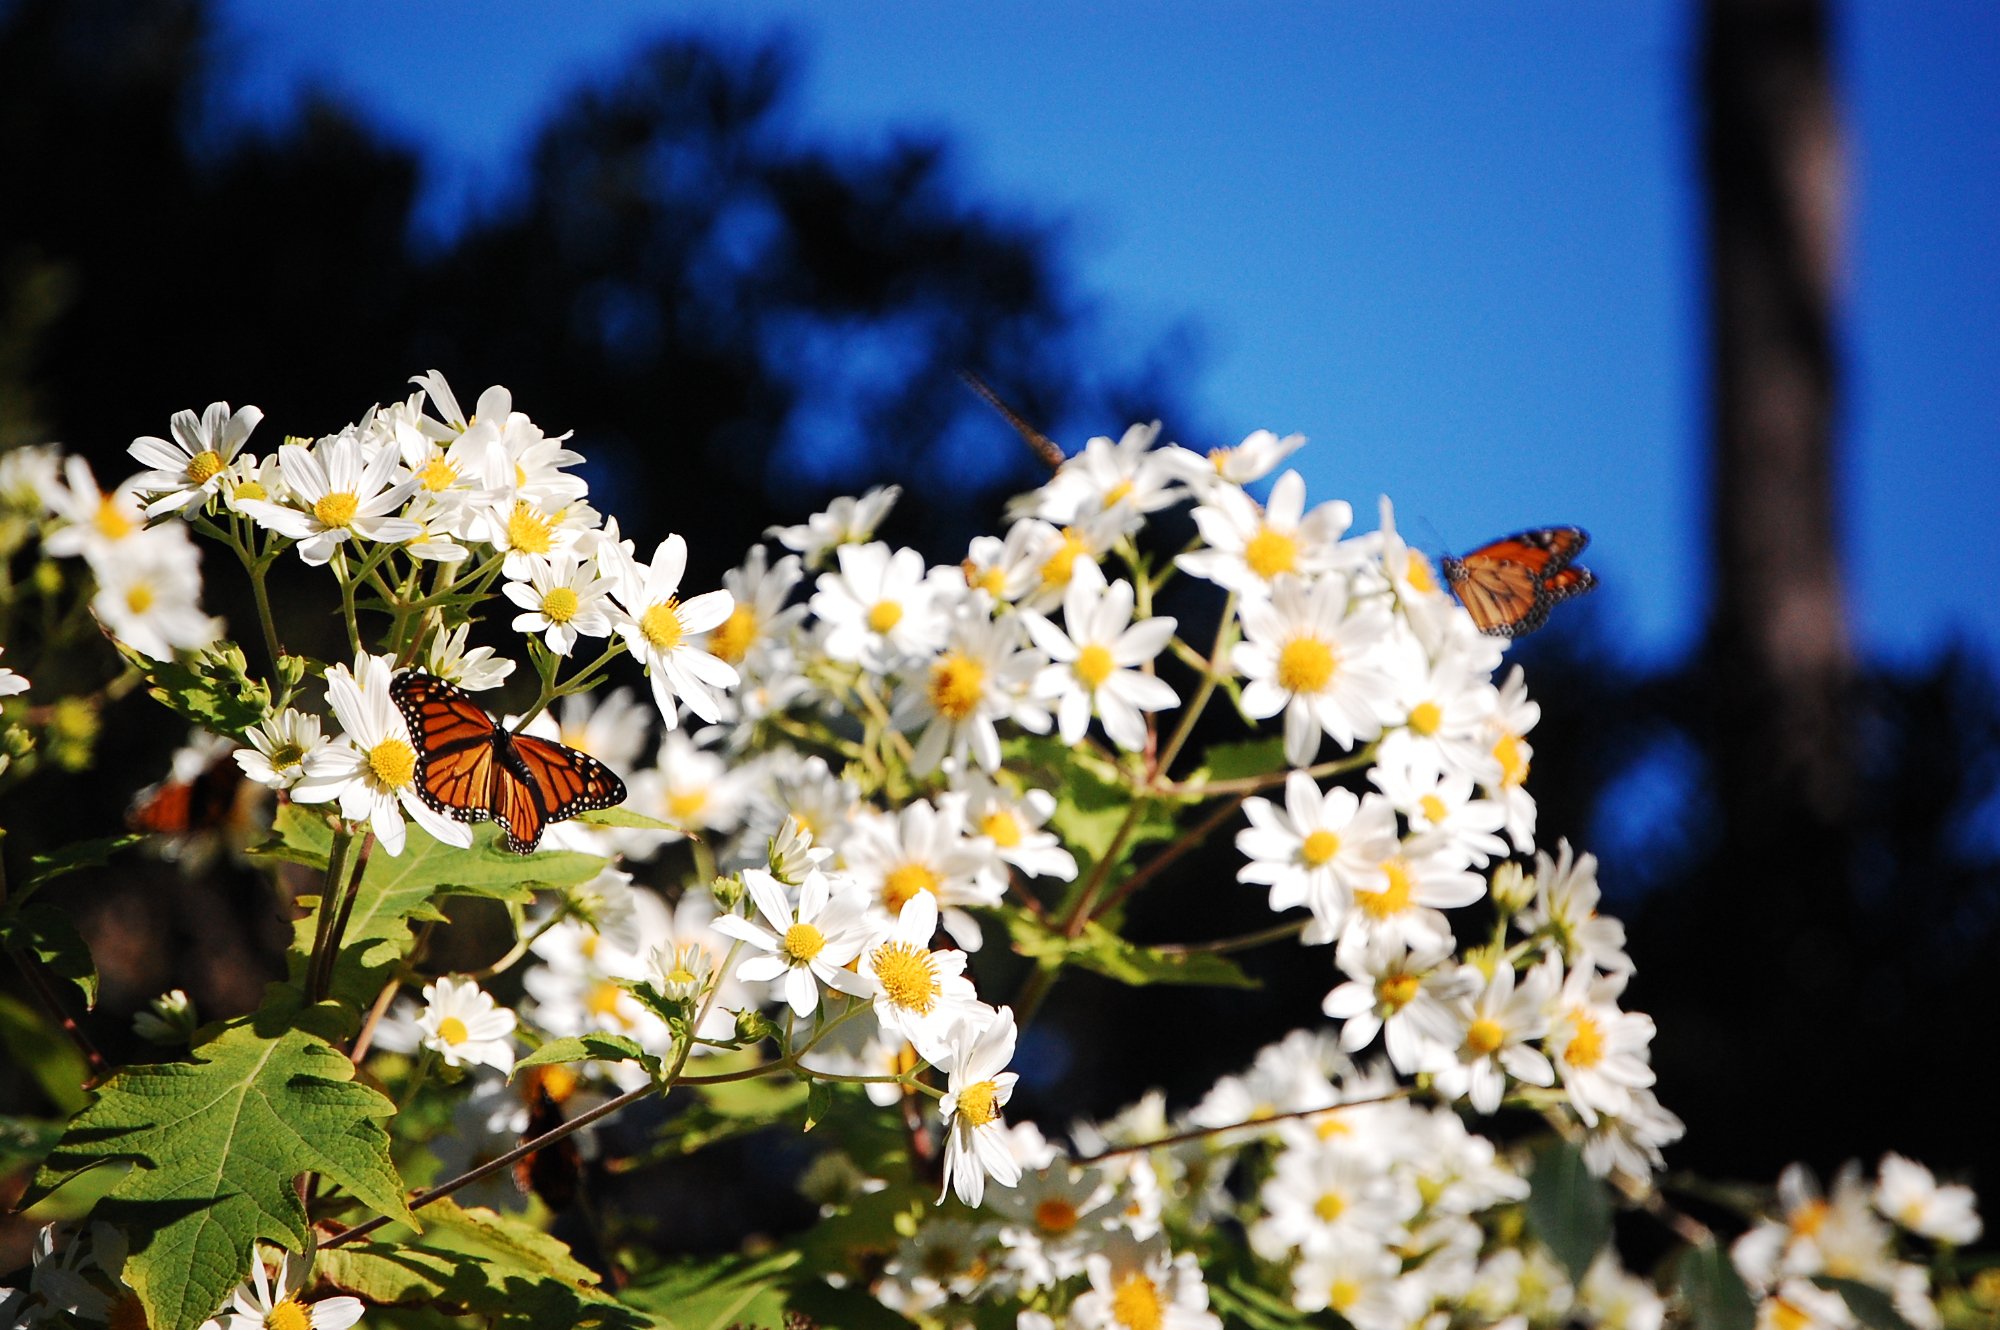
x=1457, y=244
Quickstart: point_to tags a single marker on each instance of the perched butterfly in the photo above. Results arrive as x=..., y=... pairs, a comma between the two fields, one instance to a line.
x=207, y=799
x=1509, y=586
x=470, y=768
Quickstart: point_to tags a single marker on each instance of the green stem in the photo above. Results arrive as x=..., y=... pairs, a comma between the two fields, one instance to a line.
x=1211, y=675
x=328, y=906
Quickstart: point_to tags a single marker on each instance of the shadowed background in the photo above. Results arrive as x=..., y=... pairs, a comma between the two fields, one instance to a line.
x=1718, y=284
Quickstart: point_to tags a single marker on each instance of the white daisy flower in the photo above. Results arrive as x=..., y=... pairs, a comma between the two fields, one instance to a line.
x=1444, y=804
x=525, y=532
x=1514, y=716
x=1615, y=1299
x=1496, y=1026
x=846, y=521
x=1566, y=900
x=1054, y=1219
x=262, y=1305
x=1359, y=1280
x=1629, y=1143
x=1249, y=548
x=1307, y=656
x=185, y=472
x=1008, y=569
x=1096, y=654
x=1319, y=1197
x=342, y=494
x=1317, y=848
x=450, y=473
x=562, y=599
x=921, y=995
x=1799, y=1304
x=1248, y=462
x=1285, y=1077
x=1404, y=993
x=807, y=947
x=758, y=613
x=1600, y=1052
x=1059, y=553
x=10, y=682
x=690, y=787
x=149, y=595
x=1432, y=614
x=1123, y=481
x=283, y=749
x=1134, y=1283
x=94, y=524
x=463, y=1024
x=976, y=1144
x=522, y=463
x=921, y=850
x=1013, y=827
x=1908, y=1193
x=982, y=675
x=880, y=608
x=1447, y=720
x=474, y=669
x=374, y=775
x=1407, y=892
x=661, y=631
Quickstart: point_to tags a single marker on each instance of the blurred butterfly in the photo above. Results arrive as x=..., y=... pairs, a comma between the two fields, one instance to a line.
x=471, y=769
x=203, y=794
x=1509, y=586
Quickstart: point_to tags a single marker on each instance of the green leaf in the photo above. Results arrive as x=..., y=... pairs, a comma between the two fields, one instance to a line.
x=212, y=688
x=1567, y=1207
x=591, y=1048
x=45, y=933
x=26, y=1141
x=1239, y=761
x=1102, y=951
x=35, y=1043
x=1870, y=1305
x=398, y=888
x=1091, y=802
x=476, y=1262
x=625, y=817
x=1239, y=1301
x=72, y=858
x=714, y=1294
x=218, y=1143
x=1712, y=1290
x=299, y=836
x=819, y=1102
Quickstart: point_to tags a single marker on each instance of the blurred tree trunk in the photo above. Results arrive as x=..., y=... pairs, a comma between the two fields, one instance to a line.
x=1781, y=671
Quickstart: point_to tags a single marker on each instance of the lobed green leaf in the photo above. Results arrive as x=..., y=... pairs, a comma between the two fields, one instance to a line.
x=1568, y=1208
x=46, y=933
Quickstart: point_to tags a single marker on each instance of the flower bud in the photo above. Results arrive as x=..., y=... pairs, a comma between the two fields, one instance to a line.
x=169, y=1020
x=1512, y=889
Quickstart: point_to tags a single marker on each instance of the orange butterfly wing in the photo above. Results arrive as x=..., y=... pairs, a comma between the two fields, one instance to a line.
x=1509, y=586
x=470, y=769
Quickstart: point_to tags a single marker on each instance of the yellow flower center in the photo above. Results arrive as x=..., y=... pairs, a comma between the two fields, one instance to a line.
x=1342, y=1294
x=437, y=474
x=908, y=975
x=603, y=1000
x=559, y=606
x=1586, y=1041
x=1331, y=1126
x=1136, y=1303
x=1219, y=459
x=529, y=531
x=979, y=1103
x=1809, y=1218
x=1271, y=552
x=1117, y=493
x=1061, y=565
x=287, y=755
x=904, y=881
x=1319, y=849
x=336, y=510
x=884, y=615
x=957, y=683
x=394, y=763
x=1396, y=991
x=1055, y=1215
x=589, y=945
x=1399, y=886
x=732, y=637
x=1785, y=1316
x=1330, y=1206
x=992, y=580
x=252, y=489
x=111, y=523
x=686, y=805
x=802, y=943
x=1305, y=665
x=1093, y=665
x=1425, y=717
x=661, y=624
x=1513, y=761
x=288, y=1315
x=204, y=465
x=452, y=1030
x=1484, y=1036
x=1002, y=828
x=1419, y=575
x=1433, y=809
x=139, y=597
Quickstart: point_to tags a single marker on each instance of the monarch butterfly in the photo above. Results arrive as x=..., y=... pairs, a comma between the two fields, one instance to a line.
x=471, y=769
x=188, y=802
x=1509, y=586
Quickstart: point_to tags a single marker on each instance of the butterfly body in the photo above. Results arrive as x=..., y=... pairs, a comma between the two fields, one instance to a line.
x=469, y=767
x=1510, y=585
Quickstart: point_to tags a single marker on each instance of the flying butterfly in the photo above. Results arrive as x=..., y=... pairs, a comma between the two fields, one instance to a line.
x=470, y=768
x=1509, y=586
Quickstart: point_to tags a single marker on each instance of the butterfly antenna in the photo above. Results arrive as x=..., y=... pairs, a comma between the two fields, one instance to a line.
x=1043, y=446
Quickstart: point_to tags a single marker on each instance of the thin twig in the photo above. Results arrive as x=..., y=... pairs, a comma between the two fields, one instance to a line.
x=1200, y=1133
